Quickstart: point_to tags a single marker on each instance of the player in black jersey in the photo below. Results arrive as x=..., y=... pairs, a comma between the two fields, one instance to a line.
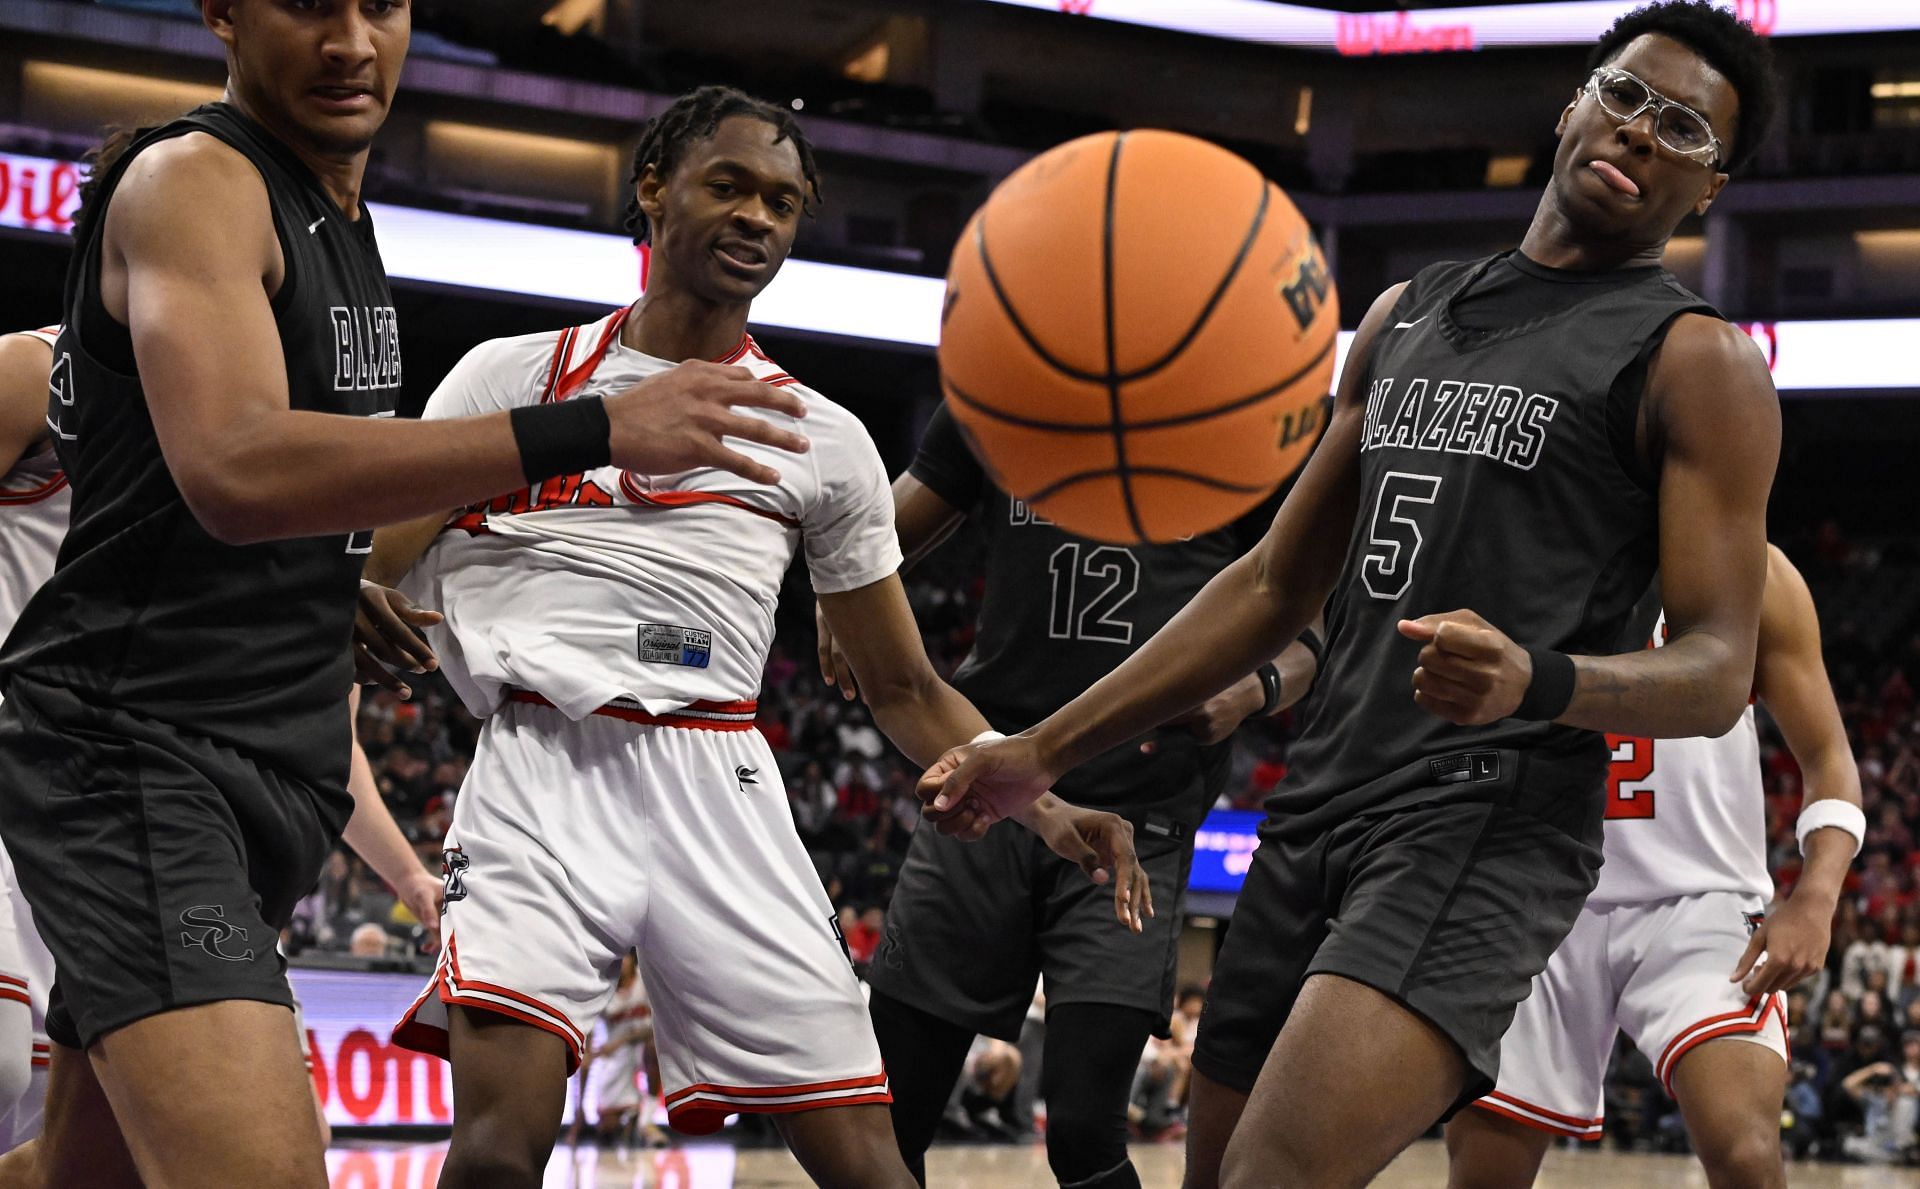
x=174, y=740
x=1490, y=500
x=1060, y=613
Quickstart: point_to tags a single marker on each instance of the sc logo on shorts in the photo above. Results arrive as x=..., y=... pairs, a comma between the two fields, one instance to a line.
x=454, y=865
x=207, y=929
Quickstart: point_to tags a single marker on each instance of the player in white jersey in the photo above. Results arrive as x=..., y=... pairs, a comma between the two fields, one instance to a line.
x=34, y=505
x=613, y=630
x=614, y=1067
x=1675, y=946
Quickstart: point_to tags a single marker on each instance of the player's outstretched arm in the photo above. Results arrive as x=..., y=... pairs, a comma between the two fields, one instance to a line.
x=1790, y=676
x=925, y=717
x=24, y=364
x=376, y=837
x=1247, y=614
x=923, y=520
x=189, y=258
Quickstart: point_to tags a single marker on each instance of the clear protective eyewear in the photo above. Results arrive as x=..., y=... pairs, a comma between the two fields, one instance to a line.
x=1680, y=129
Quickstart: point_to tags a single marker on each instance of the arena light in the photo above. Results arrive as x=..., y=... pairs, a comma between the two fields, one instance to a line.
x=1564, y=22
x=594, y=268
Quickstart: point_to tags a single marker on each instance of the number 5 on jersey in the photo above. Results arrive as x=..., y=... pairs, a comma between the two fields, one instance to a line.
x=1393, y=532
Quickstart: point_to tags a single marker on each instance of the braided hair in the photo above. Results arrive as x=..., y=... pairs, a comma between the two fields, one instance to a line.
x=694, y=117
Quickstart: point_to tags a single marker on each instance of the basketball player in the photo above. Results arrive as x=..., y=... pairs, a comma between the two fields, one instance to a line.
x=34, y=499
x=173, y=741
x=1107, y=990
x=1680, y=907
x=1516, y=444
x=613, y=630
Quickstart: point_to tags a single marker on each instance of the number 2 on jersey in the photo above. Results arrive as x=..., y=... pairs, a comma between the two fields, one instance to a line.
x=1632, y=764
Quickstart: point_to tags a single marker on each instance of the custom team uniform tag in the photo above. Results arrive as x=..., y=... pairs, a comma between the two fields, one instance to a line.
x=667, y=645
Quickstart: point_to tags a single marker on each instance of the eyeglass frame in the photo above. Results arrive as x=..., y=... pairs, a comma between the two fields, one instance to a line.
x=1659, y=103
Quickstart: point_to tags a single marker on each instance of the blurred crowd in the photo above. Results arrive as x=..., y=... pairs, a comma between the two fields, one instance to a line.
x=1855, y=1089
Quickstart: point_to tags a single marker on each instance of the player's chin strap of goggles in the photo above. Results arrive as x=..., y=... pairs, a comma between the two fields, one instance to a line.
x=1841, y=815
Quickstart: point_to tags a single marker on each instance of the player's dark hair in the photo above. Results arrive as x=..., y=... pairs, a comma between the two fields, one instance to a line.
x=99, y=162
x=1728, y=44
x=694, y=117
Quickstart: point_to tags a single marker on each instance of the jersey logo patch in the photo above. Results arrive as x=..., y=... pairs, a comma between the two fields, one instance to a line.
x=453, y=865
x=207, y=929
x=667, y=645
x=1470, y=767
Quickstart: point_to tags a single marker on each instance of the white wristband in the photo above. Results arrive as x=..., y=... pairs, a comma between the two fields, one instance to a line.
x=1841, y=815
x=986, y=736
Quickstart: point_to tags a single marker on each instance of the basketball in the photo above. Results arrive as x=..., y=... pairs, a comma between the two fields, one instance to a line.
x=1138, y=336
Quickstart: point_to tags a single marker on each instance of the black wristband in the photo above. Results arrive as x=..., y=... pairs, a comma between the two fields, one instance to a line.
x=563, y=438
x=1269, y=676
x=1312, y=640
x=1551, y=689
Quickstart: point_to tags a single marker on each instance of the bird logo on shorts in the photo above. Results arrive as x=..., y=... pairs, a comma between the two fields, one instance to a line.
x=208, y=929
x=453, y=862
x=745, y=776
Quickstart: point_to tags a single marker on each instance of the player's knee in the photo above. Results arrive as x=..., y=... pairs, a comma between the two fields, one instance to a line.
x=1749, y=1159
x=476, y=1165
x=1285, y=1161
x=1085, y=1142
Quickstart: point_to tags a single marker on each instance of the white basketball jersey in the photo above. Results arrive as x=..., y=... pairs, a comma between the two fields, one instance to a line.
x=1684, y=816
x=34, y=506
x=659, y=590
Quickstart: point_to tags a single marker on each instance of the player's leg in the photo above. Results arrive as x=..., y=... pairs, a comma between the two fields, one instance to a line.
x=1213, y=1111
x=1279, y=923
x=756, y=1006
x=1108, y=989
x=1446, y=914
x=509, y=1088
x=924, y=1055
x=1091, y=1052
x=932, y=989
x=543, y=899
x=1721, y=1054
x=1730, y=1092
x=79, y=1141
x=1553, y=1064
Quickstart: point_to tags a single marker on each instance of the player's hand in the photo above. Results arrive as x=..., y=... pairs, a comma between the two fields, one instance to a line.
x=386, y=638
x=1100, y=844
x=977, y=784
x=1219, y=716
x=1794, y=939
x=676, y=420
x=835, y=669
x=424, y=897
x=1470, y=673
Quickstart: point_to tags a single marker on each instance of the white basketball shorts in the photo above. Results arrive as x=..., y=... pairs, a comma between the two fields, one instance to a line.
x=1656, y=971
x=573, y=842
x=26, y=977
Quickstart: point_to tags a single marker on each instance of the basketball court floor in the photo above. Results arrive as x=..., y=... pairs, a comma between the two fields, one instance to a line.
x=717, y=1166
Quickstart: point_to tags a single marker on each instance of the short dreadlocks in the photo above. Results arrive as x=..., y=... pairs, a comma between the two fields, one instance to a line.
x=694, y=117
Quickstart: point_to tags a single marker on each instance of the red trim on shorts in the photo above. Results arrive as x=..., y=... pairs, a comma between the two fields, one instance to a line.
x=697, y=716
x=13, y=980
x=1751, y=1020
x=700, y=1109
x=1509, y=1106
x=421, y=1037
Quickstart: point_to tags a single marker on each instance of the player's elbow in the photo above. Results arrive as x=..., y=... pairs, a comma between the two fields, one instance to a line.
x=898, y=686
x=227, y=507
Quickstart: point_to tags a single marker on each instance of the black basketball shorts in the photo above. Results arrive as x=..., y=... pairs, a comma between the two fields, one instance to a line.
x=972, y=926
x=1449, y=908
x=161, y=866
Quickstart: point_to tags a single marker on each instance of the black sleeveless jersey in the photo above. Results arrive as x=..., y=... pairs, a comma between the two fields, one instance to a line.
x=1061, y=611
x=146, y=612
x=1491, y=480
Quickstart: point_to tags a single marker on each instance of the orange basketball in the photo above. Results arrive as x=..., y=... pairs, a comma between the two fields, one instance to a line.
x=1138, y=336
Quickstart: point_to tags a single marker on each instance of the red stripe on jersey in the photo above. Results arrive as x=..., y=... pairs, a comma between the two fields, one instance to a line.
x=561, y=349
x=669, y=719
x=1495, y=1108
x=630, y=487
x=1555, y=1116
x=34, y=495
x=877, y=1079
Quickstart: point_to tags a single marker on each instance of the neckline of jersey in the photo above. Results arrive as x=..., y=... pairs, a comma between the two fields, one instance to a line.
x=1464, y=339
x=609, y=343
